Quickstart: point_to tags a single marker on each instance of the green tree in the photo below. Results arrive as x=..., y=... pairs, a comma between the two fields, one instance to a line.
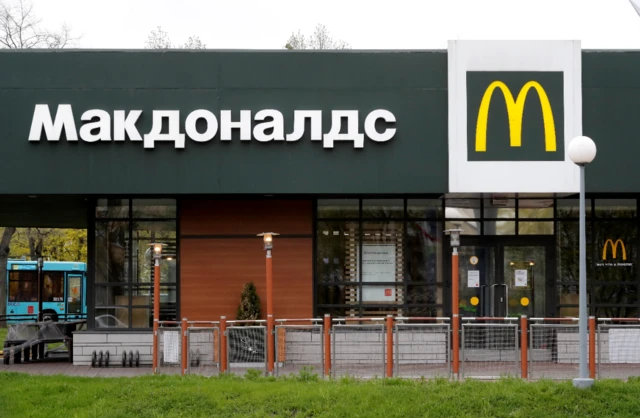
x=249, y=303
x=319, y=39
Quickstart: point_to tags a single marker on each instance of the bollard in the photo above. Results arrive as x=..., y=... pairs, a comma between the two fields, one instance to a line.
x=389, y=346
x=592, y=347
x=223, y=344
x=184, y=347
x=155, y=346
x=523, y=347
x=327, y=345
x=270, y=346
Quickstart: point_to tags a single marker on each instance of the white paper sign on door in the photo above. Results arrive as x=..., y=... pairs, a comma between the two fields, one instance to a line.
x=473, y=278
x=521, y=278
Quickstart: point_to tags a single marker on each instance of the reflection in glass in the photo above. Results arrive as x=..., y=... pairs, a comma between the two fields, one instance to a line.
x=338, y=208
x=424, y=208
x=111, y=318
x=336, y=247
x=535, y=228
x=111, y=295
x=615, y=208
x=570, y=208
x=424, y=252
x=467, y=227
x=154, y=208
x=383, y=208
x=462, y=208
x=111, y=257
x=499, y=208
x=499, y=228
x=112, y=208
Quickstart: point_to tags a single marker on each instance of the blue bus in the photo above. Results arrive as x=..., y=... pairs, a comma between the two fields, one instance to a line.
x=63, y=293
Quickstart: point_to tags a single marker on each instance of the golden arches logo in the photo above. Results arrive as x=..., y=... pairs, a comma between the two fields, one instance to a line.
x=515, y=109
x=614, y=248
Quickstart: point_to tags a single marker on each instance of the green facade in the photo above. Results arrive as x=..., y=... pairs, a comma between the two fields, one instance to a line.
x=410, y=84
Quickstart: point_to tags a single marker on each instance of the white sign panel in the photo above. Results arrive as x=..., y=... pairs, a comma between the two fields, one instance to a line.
x=378, y=265
x=473, y=278
x=521, y=278
x=171, y=346
x=473, y=173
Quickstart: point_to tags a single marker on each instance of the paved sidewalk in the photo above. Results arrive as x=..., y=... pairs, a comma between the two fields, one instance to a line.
x=65, y=368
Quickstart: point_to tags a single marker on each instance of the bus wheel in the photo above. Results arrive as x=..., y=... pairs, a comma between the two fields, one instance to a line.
x=100, y=357
x=106, y=359
x=124, y=359
x=137, y=358
x=93, y=359
x=49, y=315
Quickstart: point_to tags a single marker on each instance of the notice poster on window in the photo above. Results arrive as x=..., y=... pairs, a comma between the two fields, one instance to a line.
x=378, y=265
x=521, y=278
x=473, y=278
x=171, y=342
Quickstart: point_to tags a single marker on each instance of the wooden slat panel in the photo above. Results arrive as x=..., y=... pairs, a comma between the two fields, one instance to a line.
x=234, y=217
x=213, y=272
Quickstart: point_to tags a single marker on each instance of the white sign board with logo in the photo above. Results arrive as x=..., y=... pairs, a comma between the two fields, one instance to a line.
x=508, y=57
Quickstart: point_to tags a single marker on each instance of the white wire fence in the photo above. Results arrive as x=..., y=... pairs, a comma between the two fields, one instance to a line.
x=554, y=349
x=358, y=350
x=618, y=349
x=299, y=348
x=246, y=347
x=422, y=350
x=169, y=348
x=203, y=348
x=490, y=349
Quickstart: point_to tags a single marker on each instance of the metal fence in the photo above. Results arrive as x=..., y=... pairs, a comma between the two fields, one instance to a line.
x=422, y=350
x=358, y=349
x=618, y=348
x=489, y=349
x=554, y=349
x=299, y=347
x=203, y=348
x=169, y=348
x=246, y=346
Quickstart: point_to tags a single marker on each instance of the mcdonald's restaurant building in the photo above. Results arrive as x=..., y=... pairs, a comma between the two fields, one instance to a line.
x=360, y=160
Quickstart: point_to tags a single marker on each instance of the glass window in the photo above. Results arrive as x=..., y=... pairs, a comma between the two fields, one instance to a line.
x=423, y=252
x=499, y=208
x=499, y=228
x=424, y=208
x=124, y=265
x=535, y=228
x=23, y=286
x=154, y=208
x=112, y=208
x=425, y=295
x=53, y=286
x=570, y=208
x=338, y=208
x=336, y=255
x=615, y=244
x=535, y=208
x=383, y=208
x=467, y=227
x=567, y=251
x=462, y=208
x=615, y=208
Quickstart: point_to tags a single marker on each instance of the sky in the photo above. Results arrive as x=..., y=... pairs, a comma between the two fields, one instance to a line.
x=364, y=24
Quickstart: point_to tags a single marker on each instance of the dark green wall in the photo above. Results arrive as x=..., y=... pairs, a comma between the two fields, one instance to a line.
x=412, y=85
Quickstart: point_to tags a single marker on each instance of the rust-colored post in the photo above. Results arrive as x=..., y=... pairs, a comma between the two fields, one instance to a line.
x=524, y=365
x=327, y=344
x=389, y=346
x=455, y=311
x=270, y=345
x=223, y=344
x=155, y=346
x=185, y=351
x=592, y=347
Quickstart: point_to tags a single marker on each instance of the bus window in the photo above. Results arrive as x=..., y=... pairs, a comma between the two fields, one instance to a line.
x=53, y=288
x=74, y=294
x=23, y=286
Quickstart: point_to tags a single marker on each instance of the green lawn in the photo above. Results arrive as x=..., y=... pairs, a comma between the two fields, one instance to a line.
x=155, y=396
x=3, y=335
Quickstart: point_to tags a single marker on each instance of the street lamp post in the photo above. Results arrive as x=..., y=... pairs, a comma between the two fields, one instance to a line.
x=40, y=289
x=268, y=245
x=455, y=298
x=157, y=255
x=582, y=150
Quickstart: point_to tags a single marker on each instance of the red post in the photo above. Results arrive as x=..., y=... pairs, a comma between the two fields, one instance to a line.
x=184, y=346
x=523, y=347
x=327, y=345
x=223, y=344
x=155, y=346
x=270, y=345
x=592, y=347
x=455, y=311
x=389, y=346
x=156, y=311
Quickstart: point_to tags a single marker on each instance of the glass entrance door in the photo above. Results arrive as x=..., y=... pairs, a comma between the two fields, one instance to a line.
x=74, y=294
x=504, y=277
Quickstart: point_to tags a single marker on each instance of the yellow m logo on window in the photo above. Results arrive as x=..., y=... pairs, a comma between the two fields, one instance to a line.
x=615, y=248
x=515, y=108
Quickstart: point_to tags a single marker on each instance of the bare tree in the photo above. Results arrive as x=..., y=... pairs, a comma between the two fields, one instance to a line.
x=320, y=39
x=159, y=39
x=20, y=28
